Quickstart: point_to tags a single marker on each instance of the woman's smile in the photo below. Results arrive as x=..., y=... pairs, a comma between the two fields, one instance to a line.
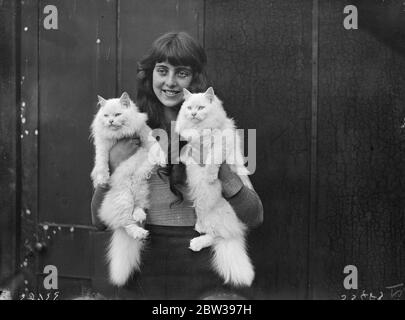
x=171, y=93
x=168, y=82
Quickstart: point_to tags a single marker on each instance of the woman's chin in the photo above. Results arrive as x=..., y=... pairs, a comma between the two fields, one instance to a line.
x=171, y=103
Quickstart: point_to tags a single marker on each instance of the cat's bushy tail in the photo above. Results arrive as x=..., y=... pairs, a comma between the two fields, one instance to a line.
x=124, y=256
x=232, y=262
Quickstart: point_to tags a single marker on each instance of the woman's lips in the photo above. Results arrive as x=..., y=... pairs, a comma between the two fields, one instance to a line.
x=171, y=93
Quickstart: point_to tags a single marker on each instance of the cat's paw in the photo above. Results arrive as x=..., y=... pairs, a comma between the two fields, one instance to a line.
x=197, y=244
x=160, y=158
x=136, y=232
x=100, y=177
x=157, y=156
x=139, y=215
x=212, y=174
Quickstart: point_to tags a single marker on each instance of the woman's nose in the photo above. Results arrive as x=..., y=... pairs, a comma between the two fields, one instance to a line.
x=171, y=80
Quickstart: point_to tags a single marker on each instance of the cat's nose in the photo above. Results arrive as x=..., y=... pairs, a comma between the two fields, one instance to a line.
x=111, y=121
x=194, y=114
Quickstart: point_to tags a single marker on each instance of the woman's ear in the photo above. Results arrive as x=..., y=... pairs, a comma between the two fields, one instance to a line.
x=125, y=100
x=101, y=101
x=186, y=94
x=209, y=94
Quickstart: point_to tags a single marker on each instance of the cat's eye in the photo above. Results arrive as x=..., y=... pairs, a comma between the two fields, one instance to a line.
x=106, y=115
x=201, y=107
x=117, y=114
x=189, y=107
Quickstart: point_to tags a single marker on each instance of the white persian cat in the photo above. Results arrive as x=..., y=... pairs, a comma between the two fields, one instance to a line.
x=123, y=206
x=202, y=118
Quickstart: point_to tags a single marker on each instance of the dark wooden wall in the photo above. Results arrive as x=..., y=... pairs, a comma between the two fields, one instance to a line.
x=327, y=105
x=360, y=216
x=260, y=62
x=8, y=139
x=330, y=147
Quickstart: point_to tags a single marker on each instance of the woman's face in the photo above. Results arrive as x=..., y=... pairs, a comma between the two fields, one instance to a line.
x=168, y=82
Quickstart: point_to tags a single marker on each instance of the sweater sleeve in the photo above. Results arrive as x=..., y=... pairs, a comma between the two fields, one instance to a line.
x=98, y=196
x=242, y=197
x=248, y=207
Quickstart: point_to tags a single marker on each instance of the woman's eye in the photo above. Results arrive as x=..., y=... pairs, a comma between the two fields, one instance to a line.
x=201, y=107
x=162, y=71
x=117, y=114
x=184, y=74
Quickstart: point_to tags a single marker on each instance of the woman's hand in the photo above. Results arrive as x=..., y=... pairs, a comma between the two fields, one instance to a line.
x=122, y=150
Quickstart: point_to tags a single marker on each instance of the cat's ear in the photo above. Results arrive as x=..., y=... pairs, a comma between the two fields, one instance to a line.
x=186, y=94
x=101, y=101
x=125, y=100
x=209, y=94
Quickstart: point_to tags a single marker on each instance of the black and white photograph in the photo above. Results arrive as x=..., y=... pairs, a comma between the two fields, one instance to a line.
x=206, y=150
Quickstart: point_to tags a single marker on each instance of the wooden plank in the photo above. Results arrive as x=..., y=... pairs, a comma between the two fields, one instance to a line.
x=259, y=55
x=361, y=149
x=69, y=249
x=8, y=142
x=28, y=135
x=77, y=62
x=314, y=146
x=141, y=22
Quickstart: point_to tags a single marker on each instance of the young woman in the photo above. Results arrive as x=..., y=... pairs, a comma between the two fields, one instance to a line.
x=169, y=269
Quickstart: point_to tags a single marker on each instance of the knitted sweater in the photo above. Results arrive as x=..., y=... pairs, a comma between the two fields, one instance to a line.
x=243, y=199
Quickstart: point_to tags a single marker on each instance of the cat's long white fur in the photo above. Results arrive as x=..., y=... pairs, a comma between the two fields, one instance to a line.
x=123, y=205
x=129, y=190
x=216, y=219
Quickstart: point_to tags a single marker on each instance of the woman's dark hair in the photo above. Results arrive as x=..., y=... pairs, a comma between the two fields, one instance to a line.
x=177, y=48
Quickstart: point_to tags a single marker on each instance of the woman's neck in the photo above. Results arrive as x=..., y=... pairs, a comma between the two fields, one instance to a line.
x=170, y=114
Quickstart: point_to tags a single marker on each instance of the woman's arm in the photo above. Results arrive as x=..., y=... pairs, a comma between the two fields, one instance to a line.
x=120, y=152
x=241, y=196
x=96, y=201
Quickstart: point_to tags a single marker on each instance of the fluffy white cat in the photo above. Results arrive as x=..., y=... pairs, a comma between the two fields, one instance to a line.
x=203, y=121
x=123, y=206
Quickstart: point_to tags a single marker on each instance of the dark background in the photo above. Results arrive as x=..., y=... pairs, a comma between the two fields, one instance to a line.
x=327, y=103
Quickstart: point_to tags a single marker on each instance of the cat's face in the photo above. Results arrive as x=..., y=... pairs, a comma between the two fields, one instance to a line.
x=197, y=110
x=200, y=111
x=113, y=113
